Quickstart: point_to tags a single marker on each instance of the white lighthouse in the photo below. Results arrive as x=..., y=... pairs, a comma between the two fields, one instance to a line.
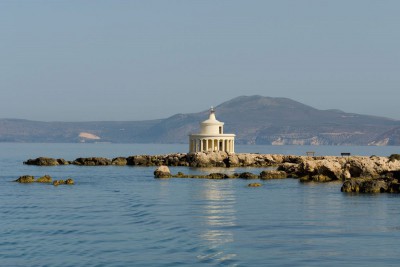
x=212, y=137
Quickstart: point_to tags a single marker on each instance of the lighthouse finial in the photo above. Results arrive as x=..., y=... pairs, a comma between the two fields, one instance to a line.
x=212, y=109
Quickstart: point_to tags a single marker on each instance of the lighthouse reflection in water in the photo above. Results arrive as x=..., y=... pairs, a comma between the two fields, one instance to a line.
x=219, y=216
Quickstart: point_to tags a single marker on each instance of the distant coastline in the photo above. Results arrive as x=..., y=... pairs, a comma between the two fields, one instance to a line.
x=256, y=120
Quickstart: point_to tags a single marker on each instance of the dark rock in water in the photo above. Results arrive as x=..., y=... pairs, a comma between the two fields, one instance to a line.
x=291, y=169
x=368, y=185
x=120, y=161
x=92, y=161
x=45, y=179
x=162, y=172
x=218, y=176
x=63, y=162
x=69, y=181
x=254, y=185
x=25, y=179
x=265, y=175
x=352, y=185
x=58, y=182
x=248, y=175
x=374, y=186
x=394, y=187
x=42, y=161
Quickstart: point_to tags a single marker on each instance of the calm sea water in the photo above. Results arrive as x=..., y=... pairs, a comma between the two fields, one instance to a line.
x=122, y=216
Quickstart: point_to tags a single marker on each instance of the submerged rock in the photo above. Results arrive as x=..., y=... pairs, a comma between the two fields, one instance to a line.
x=248, y=175
x=92, y=161
x=25, y=179
x=218, y=176
x=254, y=185
x=265, y=175
x=69, y=181
x=58, y=182
x=45, y=179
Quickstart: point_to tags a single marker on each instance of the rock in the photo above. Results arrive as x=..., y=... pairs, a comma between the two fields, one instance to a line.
x=42, y=161
x=69, y=181
x=218, y=176
x=368, y=185
x=45, y=179
x=208, y=159
x=321, y=178
x=58, y=182
x=394, y=187
x=328, y=167
x=63, y=162
x=162, y=172
x=254, y=185
x=352, y=185
x=92, y=161
x=25, y=179
x=264, y=175
x=248, y=175
x=394, y=157
x=119, y=161
x=374, y=186
x=291, y=169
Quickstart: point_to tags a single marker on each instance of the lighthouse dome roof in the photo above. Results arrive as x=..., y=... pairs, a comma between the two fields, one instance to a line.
x=211, y=125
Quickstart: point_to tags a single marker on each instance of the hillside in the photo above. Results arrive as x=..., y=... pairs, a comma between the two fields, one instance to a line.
x=254, y=119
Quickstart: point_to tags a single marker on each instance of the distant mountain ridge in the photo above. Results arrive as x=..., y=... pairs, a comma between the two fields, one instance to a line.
x=254, y=120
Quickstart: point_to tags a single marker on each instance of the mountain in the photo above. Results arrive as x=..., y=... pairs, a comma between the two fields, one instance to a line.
x=254, y=120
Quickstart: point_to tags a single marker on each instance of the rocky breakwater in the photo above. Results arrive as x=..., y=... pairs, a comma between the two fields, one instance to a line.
x=359, y=173
x=164, y=172
x=199, y=159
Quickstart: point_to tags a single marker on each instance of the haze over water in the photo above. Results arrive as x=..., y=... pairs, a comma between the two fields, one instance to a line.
x=122, y=216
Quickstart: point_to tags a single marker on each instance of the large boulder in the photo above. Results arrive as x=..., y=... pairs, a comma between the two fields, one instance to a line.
x=162, y=172
x=374, y=186
x=352, y=185
x=321, y=169
x=368, y=185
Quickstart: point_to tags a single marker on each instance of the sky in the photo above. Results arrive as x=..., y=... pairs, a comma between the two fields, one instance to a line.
x=137, y=60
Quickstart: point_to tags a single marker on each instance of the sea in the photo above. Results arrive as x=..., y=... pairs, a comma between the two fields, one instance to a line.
x=122, y=216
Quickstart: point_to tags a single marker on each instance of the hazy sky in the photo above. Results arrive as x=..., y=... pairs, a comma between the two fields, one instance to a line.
x=129, y=60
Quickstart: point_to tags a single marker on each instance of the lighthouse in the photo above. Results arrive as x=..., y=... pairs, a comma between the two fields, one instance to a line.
x=212, y=137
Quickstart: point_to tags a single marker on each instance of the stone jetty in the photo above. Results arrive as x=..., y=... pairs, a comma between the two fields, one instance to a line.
x=356, y=172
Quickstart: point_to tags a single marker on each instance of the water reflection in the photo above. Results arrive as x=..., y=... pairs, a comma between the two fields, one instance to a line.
x=219, y=216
